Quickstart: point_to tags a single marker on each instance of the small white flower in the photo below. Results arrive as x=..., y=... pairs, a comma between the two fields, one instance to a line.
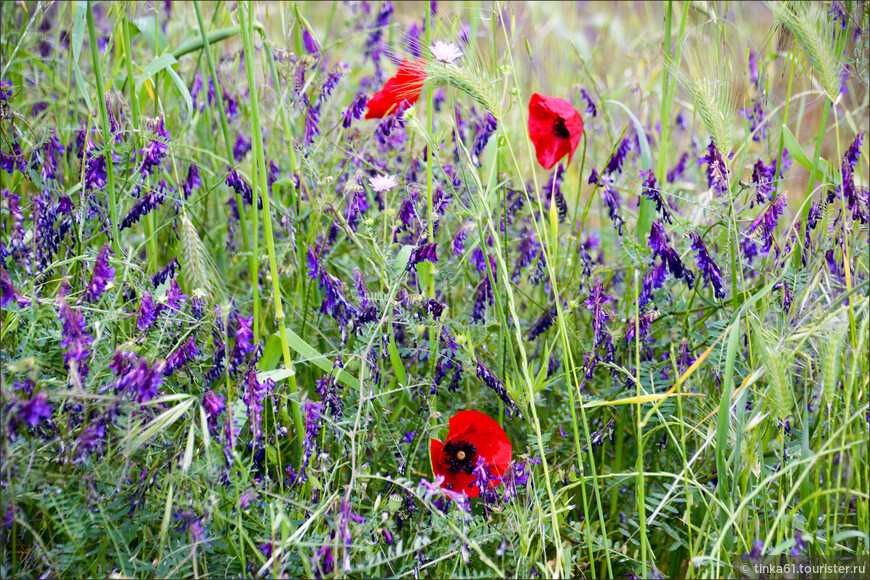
x=382, y=183
x=445, y=51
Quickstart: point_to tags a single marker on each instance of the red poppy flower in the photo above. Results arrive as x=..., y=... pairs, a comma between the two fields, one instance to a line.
x=471, y=435
x=555, y=127
x=405, y=86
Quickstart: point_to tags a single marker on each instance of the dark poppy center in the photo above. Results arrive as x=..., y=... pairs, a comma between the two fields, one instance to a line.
x=559, y=129
x=460, y=456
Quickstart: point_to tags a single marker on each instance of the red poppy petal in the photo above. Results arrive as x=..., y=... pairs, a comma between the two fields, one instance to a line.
x=485, y=434
x=543, y=111
x=404, y=86
x=463, y=483
x=436, y=449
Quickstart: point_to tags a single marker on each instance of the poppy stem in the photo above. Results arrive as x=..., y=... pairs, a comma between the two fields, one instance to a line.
x=430, y=149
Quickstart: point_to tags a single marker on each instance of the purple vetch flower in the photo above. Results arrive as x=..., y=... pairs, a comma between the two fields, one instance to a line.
x=787, y=295
x=677, y=170
x=334, y=300
x=611, y=198
x=253, y=398
x=144, y=205
x=34, y=410
x=312, y=116
x=517, y=475
x=241, y=147
x=459, y=239
x=101, y=276
x=752, y=65
x=155, y=150
x=658, y=243
x=856, y=197
x=653, y=193
x=148, y=312
x=717, y=171
x=138, y=379
x=50, y=147
x=189, y=521
x=838, y=14
x=438, y=100
x=214, y=405
x=597, y=302
x=528, y=249
x=482, y=296
x=706, y=265
x=195, y=89
x=166, y=273
x=243, y=188
x=681, y=121
x=408, y=437
x=485, y=129
x=542, y=324
x=75, y=340
x=244, y=343
x=652, y=281
x=614, y=165
x=495, y=384
x=311, y=45
x=590, y=104
x=355, y=110
x=764, y=179
x=600, y=437
x=330, y=390
x=758, y=122
x=5, y=90
x=423, y=252
x=181, y=356
x=413, y=39
x=643, y=323
x=766, y=223
x=9, y=293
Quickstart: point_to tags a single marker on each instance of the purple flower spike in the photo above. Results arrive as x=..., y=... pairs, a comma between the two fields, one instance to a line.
x=707, y=266
x=31, y=412
x=717, y=171
x=100, y=278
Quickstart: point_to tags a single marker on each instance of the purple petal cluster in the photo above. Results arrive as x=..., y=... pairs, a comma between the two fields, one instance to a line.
x=717, y=171
x=707, y=266
x=100, y=277
x=496, y=386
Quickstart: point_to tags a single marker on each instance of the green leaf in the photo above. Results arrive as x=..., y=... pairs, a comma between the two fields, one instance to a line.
x=147, y=26
x=271, y=354
x=823, y=171
x=312, y=355
x=78, y=38
x=396, y=362
x=154, y=67
x=195, y=43
x=276, y=375
x=182, y=88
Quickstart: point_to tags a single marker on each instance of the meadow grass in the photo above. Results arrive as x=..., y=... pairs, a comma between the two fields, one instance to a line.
x=235, y=312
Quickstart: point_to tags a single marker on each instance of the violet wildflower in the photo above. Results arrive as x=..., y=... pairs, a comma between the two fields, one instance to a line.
x=542, y=324
x=717, y=171
x=643, y=323
x=243, y=188
x=707, y=266
x=148, y=312
x=214, y=405
x=9, y=293
x=438, y=100
x=611, y=198
x=76, y=339
x=144, y=205
x=495, y=384
x=752, y=64
x=459, y=239
x=244, y=343
x=756, y=117
x=155, y=150
x=658, y=243
x=253, y=398
x=856, y=198
x=528, y=249
x=485, y=130
x=181, y=356
x=614, y=165
x=423, y=252
x=49, y=148
x=482, y=296
x=241, y=147
x=330, y=391
x=311, y=45
x=681, y=121
x=413, y=39
x=597, y=302
x=137, y=378
x=34, y=410
x=590, y=104
x=677, y=170
x=838, y=14
x=517, y=475
x=166, y=273
x=652, y=281
x=766, y=223
x=334, y=300
x=355, y=110
x=764, y=179
x=653, y=193
x=100, y=277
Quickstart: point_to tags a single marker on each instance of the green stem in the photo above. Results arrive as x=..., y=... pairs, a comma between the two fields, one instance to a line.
x=430, y=150
x=263, y=190
x=107, y=139
x=252, y=269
